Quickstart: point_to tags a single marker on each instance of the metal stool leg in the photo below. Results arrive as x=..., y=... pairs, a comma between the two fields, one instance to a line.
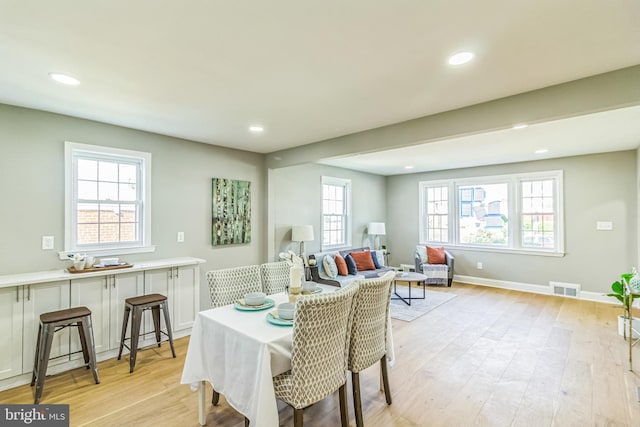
x=43, y=359
x=167, y=323
x=155, y=313
x=123, y=334
x=86, y=326
x=37, y=355
x=135, y=336
x=83, y=342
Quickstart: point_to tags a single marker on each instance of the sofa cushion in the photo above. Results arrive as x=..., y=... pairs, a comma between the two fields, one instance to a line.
x=320, y=260
x=363, y=260
x=351, y=264
x=342, y=265
x=436, y=255
x=422, y=251
x=374, y=258
x=330, y=267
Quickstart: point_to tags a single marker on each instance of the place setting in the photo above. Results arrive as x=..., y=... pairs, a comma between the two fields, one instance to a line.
x=254, y=301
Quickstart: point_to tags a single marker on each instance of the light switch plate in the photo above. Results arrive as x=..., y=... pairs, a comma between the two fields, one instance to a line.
x=180, y=236
x=604, y=225
x=47, y=243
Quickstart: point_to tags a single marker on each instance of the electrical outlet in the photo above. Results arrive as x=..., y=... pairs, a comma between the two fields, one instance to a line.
x=180, y=236
x=479, y=265
x=47, y=243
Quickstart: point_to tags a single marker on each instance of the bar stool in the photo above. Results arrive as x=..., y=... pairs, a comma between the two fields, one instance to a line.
x=52, y=322
x=155, y=302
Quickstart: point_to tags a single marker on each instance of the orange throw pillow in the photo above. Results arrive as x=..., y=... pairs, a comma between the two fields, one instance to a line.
x=363, y=260
x=435, y=255
x=342, y=265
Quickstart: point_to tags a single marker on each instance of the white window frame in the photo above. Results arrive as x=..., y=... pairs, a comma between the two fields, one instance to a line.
x=70, y=246
x=514, y=245
x=346, y=185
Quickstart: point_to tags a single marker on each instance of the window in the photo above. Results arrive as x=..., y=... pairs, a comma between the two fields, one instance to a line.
x=520, y=212
x=336, y=201
x=437, y=213
x=107, y=194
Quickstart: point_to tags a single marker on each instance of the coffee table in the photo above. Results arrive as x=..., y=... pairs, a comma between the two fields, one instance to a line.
x=410, y=277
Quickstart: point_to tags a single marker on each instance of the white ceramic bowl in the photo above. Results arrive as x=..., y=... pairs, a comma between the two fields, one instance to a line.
x=286, y=310
x=308, y=286
x=254, y=298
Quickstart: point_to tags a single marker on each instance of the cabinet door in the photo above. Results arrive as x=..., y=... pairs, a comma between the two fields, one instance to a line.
x=43, y=298
x=186, y=297
x=93, y=293
x=11, y=336
x=124, y=286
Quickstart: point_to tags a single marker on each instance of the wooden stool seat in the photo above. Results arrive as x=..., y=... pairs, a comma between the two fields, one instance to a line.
x=52, y=322
x=137, y=306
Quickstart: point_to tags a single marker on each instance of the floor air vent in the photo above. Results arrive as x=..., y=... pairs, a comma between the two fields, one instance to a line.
x=565, y=289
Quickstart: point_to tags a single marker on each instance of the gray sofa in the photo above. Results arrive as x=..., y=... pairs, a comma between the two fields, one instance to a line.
x=319, y=275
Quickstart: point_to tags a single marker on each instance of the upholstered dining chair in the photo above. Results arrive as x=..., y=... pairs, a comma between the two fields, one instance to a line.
x=318, y=358
x=368, y=341
x=228, y=285
x=275, y=277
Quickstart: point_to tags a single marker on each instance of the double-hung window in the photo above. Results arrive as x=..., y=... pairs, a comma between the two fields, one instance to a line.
x=107, y=200
x=517, y=212
x=336, y=204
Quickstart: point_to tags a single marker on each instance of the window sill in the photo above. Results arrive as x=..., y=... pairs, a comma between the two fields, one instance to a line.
x=65, y=255
x=500, y=250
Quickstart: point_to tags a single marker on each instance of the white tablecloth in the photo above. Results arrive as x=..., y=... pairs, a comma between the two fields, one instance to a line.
x=239, y=353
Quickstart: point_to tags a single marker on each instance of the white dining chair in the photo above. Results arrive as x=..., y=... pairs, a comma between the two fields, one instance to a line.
x=275, y=277
x=368, y=341
x=318, y=357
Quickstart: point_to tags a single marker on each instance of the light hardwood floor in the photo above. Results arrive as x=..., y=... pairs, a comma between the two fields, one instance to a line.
x=489, y=357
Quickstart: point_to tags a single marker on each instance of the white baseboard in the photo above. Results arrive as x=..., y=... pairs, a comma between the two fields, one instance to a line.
x=529, y=287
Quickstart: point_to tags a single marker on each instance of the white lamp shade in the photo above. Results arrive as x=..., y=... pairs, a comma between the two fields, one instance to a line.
x=377, y=228
x=302, y=233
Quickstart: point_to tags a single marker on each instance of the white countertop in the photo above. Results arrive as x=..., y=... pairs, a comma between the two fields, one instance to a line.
x=55, y=275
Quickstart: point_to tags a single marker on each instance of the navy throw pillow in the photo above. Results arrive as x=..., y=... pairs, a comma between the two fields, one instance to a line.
x=375, y=259
x=351, y=264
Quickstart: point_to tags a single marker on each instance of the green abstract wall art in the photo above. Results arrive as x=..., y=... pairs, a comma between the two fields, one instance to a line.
x=231, y=212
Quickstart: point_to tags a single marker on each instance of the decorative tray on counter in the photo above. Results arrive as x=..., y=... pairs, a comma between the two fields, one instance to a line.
x=99, y=268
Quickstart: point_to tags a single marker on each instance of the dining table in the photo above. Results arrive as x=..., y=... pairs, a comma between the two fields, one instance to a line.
x=239, y=352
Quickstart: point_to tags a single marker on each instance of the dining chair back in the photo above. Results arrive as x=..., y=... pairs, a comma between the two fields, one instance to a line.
x=368, y=341
x=230, y=284
x=275, y=277
x=318, y=358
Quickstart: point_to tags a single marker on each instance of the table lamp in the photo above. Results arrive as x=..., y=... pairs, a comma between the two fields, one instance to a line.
x=302, y=233
x=377, y=229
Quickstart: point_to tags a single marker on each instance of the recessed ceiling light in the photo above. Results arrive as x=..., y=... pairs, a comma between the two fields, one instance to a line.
x=541, y=151
x=256, y=128
x=408, y=167
x=460, y=58
x=64, y=79
x=520, y=126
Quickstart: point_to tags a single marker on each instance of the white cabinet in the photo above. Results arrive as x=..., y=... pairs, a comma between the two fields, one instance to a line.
x=37, y=299
x=11, y=327
x=104, y=296
x=181, y=287
x=24, y=297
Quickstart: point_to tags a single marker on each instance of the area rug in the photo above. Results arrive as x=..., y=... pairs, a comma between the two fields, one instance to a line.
x=401, y=311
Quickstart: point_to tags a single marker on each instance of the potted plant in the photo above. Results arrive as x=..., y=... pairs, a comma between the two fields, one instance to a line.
x=626, y=290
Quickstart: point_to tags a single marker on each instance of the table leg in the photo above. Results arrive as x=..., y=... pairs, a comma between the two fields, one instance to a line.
x=202, y=403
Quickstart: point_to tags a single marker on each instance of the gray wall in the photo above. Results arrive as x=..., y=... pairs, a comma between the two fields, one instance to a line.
x=32, y=190
x=295, y=198
x=598, y=187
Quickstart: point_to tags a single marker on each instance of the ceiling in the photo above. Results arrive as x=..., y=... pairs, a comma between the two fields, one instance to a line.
x=205, y=70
